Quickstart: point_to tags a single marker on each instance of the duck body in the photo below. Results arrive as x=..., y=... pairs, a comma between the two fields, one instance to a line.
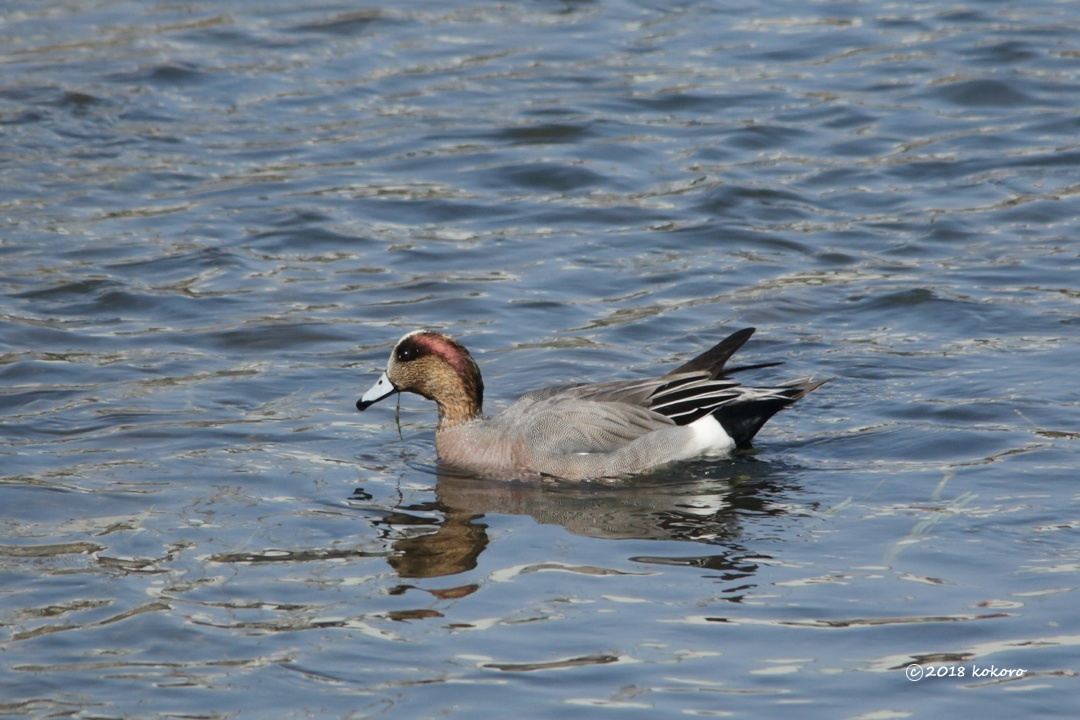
x=584, y=431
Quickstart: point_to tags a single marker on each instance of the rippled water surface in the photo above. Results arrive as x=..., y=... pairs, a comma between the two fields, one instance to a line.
x=217, y=218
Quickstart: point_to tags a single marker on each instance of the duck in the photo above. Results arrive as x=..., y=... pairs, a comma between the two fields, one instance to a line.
x=585, y=431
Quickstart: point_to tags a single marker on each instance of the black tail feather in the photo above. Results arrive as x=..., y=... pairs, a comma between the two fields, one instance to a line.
x=743, y=420
x=713, y=359
x=744, y=368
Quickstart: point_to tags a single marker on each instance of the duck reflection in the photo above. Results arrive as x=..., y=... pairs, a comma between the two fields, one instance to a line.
x=445, y=537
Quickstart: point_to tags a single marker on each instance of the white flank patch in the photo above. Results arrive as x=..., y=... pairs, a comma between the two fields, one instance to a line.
x=710, y=438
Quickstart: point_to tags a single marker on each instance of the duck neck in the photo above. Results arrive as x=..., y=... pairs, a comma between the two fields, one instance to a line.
x=462, y=401
x=459, y=392
x=457, y=409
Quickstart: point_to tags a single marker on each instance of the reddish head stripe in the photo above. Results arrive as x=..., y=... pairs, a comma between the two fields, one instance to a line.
x=449, y=349
x=427, y=342
x=420, y=344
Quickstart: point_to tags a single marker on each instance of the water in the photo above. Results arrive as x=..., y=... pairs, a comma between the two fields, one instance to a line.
x=216, y=219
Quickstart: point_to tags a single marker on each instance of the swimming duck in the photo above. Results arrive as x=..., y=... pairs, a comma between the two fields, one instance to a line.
x=585, y=431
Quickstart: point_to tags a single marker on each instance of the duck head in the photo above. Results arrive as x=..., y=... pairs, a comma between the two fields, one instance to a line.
x=436, y=367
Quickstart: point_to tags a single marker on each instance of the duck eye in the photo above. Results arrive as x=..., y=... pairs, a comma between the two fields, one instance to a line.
x=405, y=354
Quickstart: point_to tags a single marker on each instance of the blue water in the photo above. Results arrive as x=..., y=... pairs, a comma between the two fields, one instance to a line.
x=217, y=218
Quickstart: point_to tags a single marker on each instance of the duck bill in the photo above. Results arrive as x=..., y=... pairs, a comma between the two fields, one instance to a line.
x=381, y=389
